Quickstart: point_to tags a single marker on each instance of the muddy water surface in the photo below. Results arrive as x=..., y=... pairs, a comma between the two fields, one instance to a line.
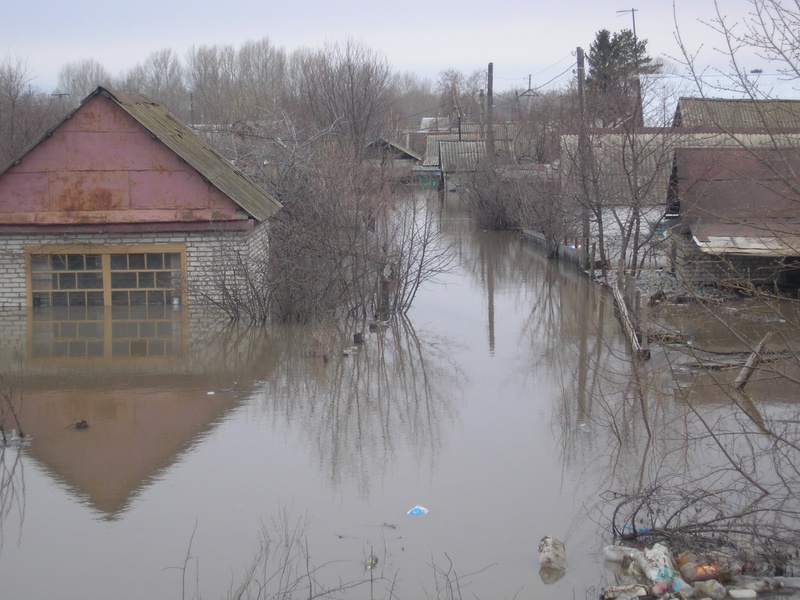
x=208, y=444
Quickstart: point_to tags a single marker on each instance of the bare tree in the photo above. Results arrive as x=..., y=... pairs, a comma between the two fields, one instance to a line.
x=344, y=87
x=79, y=79
x=25, y=112
x=160, y=78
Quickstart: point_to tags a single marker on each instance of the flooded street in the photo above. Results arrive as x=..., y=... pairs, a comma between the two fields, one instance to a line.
x=209, y=446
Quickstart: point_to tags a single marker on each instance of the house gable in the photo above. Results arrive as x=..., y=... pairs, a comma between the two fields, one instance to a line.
x=106, y=165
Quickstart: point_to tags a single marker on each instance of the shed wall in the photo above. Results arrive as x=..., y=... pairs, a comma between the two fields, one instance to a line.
x=702, y=268
x=202, y=257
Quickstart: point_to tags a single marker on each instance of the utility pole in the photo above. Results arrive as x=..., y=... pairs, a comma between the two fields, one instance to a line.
x=582, y=156
x=490, y=114
x=638, y=100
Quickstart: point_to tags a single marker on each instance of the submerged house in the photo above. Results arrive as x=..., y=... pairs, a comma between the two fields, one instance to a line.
x=735, y=216
x=120, y=204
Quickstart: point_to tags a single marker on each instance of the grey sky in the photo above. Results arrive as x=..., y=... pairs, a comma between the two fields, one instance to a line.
x=521, y=38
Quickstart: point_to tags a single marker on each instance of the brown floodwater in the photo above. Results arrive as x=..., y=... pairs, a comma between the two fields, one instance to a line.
x=211, y=445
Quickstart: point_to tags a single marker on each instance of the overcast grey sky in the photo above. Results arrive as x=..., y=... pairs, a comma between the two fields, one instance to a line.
x=522, y=38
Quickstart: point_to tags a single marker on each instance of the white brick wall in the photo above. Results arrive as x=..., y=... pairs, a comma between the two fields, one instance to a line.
x=202, y=256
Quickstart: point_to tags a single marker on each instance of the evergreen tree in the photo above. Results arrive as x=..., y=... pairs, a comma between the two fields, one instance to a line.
x=615, y=64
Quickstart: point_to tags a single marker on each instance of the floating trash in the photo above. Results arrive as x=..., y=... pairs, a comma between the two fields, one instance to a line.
x=418, y=510
x=552, y=553
x=372, y=561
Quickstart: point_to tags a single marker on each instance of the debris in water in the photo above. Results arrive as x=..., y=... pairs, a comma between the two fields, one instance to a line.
x=552, y=553
x=418, y=510
x=371, y=562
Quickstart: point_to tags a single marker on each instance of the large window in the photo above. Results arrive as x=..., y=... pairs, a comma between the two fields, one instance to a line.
x=139, y=276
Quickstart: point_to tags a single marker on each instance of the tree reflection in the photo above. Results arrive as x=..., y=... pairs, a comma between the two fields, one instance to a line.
x=12, y=487
x=363, y=407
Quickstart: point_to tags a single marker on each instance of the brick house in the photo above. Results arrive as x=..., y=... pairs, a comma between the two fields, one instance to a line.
x=120, y=204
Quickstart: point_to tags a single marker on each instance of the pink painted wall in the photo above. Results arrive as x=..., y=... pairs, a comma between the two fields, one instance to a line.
x=102, y=166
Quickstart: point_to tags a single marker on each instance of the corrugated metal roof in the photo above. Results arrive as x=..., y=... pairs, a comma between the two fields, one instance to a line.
x=431, y=158
x=740, y=201
x=461, y=156
x=504, y=135
x=209, y=163
x=732, y=114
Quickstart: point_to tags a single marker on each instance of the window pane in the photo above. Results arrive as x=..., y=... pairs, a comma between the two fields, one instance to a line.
x=136, y=261
x=40, y=262
x=172, y=260
x=138, y=297
x=42, y=281
x=59, y=298
x=94, y=262
x=41, y=299
x=77, y=299
x=147, y=279
x=66, y=281
x=155, y=261
x=90, y=281
x=94, y=298
x=119, y=299
x=123, y=280
x=119, y=262
x=59, y=262
x=164, y=279
x=75, y=262
x=155, y=298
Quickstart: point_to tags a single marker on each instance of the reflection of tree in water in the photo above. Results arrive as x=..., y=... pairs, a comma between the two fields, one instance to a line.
x=12, y=487
x=361, y=410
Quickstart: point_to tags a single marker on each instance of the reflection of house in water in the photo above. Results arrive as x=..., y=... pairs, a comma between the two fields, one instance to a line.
x=140, y=377
x=119, y=332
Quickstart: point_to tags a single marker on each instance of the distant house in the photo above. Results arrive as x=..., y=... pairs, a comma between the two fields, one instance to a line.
x=395, y=161
x=735, y=216
x=120, y=204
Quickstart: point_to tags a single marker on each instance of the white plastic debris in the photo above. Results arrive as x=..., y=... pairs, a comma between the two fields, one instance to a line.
x=741, y=593
x=552, y=553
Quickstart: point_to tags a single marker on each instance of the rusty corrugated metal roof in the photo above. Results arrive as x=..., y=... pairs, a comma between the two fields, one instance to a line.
x=198, y=154
x=740, y=201
x=461, y=156
x=733, y=114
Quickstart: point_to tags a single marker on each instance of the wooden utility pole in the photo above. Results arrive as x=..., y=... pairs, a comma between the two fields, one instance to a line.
x=490, y=114
x=583, y=147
